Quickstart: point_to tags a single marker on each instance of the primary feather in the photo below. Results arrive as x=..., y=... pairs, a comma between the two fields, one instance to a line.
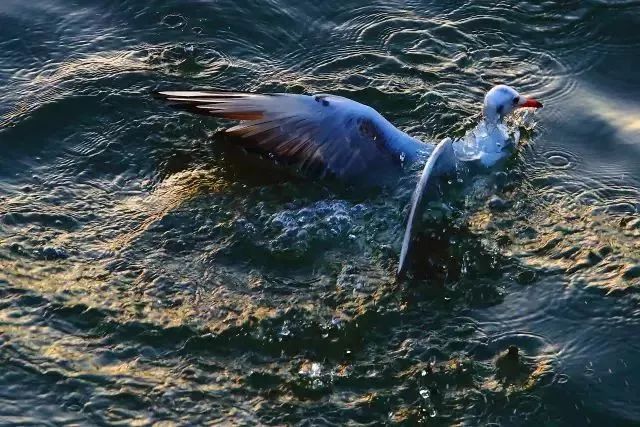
x=328, y=133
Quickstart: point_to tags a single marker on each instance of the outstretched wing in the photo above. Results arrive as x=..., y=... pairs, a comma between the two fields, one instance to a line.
x=327, y=133
x=442, y=161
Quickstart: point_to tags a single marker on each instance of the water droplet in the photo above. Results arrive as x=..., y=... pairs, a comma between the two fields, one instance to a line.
x=285, y=331
x=425, y=393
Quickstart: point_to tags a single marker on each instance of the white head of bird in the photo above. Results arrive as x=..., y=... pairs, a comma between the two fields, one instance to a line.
x=501, y=100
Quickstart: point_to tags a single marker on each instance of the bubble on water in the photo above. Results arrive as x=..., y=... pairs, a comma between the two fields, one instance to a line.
x=425, y=393
x=298, y=229
x=174, y=21
x=316, y=370
x=313, y=371
x=558, y=160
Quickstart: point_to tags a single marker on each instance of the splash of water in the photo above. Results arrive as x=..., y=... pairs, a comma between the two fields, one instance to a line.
x=486, y=143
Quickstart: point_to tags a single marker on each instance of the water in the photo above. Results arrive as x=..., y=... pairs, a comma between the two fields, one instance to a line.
x=150, y=273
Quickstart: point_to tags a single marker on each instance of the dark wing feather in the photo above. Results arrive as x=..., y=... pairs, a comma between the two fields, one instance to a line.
x=324, y=132
x=442, y=161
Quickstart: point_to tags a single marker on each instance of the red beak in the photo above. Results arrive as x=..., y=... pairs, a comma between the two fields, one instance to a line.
x=532, y=103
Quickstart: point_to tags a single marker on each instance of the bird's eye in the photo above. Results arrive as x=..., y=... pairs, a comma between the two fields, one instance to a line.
x=516, y=100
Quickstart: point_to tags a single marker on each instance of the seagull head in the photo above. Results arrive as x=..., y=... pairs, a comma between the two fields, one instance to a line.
x=501, y=100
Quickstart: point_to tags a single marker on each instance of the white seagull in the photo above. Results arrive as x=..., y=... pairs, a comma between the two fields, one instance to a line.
x=337, y=136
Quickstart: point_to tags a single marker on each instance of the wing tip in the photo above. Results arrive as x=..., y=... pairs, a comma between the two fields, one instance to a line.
x=430, y=170
x=201, y=93
x=166, y=94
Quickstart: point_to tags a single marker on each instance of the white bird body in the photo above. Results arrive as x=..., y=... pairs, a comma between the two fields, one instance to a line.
x=337, y=136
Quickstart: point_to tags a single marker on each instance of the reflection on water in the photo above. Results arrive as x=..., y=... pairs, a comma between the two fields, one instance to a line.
x=149, y=272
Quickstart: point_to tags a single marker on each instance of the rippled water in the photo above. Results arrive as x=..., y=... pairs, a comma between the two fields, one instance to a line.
x=149, y=272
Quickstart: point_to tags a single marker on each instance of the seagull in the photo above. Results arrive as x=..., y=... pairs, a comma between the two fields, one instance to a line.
x=336, y=136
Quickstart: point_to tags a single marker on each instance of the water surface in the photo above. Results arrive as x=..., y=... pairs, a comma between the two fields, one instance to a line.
x=149, y=272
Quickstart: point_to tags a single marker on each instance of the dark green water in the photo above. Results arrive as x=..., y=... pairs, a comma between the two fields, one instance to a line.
x=148, y=274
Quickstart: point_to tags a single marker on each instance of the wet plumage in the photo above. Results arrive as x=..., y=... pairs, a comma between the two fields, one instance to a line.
x=326, y=133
